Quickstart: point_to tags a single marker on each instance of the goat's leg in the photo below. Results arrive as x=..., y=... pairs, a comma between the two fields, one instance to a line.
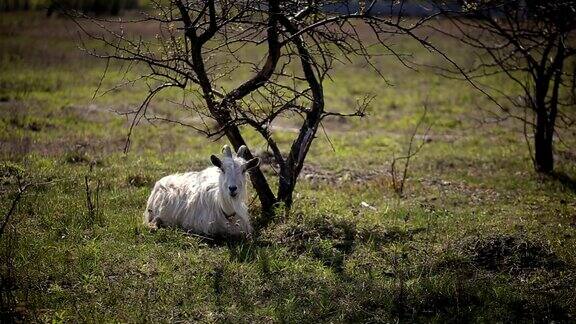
x=155, y=224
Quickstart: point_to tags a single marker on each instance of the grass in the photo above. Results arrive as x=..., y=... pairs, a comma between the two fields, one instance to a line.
x=478, y=236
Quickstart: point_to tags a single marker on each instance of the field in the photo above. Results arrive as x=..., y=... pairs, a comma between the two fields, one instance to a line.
x=477, y=236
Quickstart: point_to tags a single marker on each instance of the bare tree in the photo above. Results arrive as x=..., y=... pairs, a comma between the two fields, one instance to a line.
x=531, y=43
x=202, y=44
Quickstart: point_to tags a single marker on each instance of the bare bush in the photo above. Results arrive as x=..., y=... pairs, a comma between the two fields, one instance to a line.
x=399, y=174
x=92, y=197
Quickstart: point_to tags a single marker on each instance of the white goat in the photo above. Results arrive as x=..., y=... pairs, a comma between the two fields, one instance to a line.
x=210, y=202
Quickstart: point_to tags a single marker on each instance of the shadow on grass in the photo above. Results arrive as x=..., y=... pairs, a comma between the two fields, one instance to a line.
x=566, y=180
x=241, y=249
x=326, y=239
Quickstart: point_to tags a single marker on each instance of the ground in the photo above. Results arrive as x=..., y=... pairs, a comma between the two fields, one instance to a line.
x=477, y=235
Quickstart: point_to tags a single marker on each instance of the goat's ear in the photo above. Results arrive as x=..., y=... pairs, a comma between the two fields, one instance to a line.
x=227, y=151
x=251, y=164
x=242, y=151
x=216, y=161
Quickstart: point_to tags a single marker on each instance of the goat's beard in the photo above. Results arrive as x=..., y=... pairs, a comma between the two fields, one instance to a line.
x=233, y=202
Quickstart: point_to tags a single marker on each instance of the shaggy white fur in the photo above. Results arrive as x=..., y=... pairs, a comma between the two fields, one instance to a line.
x=209, y=202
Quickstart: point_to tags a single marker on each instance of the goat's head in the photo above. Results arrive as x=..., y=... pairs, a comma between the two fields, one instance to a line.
x=233, y=169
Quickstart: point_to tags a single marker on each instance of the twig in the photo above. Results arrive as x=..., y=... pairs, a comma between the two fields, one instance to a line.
x=13, y=205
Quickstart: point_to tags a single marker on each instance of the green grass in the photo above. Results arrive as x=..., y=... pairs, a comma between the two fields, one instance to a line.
x=478, y=236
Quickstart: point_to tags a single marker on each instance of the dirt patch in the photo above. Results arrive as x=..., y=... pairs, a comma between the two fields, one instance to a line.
x=460, y=193
x=341, y=125
x=337, y=123
x=315, y=173
x=73, y=150
x=91, y=113
x=90, y=150
x=15, y=149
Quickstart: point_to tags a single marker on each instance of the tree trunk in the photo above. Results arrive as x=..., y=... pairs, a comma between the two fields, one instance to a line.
x=543, y=156
x=543, y=144
x=267, y=199
x=546, y=112
x=221, y=112
x=300, y=146
x=286, y=189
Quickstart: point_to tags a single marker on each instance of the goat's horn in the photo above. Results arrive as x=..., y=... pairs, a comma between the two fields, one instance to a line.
x=227, y=151
x=242, y=151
